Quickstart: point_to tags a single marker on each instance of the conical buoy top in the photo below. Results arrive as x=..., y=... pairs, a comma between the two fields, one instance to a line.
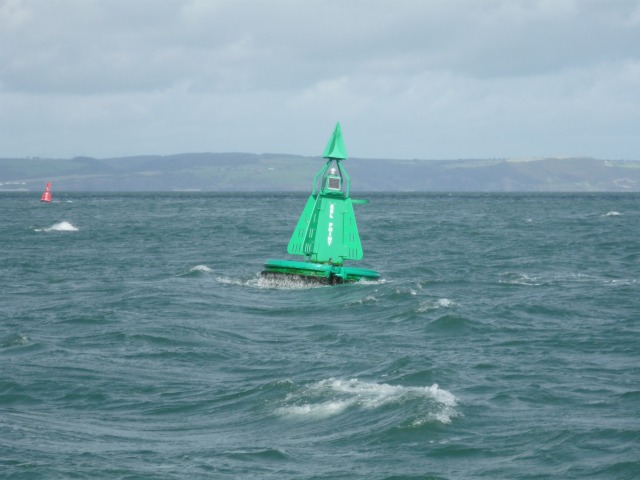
x=335, y=148
x=46, y=196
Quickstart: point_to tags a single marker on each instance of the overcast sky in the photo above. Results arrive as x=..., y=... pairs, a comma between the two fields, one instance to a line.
x=426, y=79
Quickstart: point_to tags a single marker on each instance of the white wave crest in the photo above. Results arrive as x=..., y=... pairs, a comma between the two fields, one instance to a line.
x=514, y=278
x=200, y=268
x=444, y=302
x=613, y=214
x=59, y=227
x=433, y=305
x=320, y=410
x=196, y=271
x=368, y=299
x=330, y=397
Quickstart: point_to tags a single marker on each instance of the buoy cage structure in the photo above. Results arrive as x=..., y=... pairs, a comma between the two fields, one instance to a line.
x=326, y=233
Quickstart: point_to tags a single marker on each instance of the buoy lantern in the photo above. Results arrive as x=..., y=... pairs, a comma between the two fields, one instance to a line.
x=46, y=196
x=326, y=234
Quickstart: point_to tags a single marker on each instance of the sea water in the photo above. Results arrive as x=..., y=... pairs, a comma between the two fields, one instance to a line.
x=137, y=339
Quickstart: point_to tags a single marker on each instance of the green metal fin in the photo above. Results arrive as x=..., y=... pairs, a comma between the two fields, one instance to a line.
x=352, y=245
x=335, y=147
x=327, y=231
x=298, y=239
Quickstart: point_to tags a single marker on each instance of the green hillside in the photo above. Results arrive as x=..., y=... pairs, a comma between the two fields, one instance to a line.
x=282, y=172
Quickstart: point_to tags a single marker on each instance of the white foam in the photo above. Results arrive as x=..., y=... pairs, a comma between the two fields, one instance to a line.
x=283, y=282
x=377, y=281
x=196, y=270
x=406, y=290
x=200, y=268
x=364, y=300
x=294, y=282
x=332, y=396
x=444, y=302
x=319, y=410
x=438, y=416
x=433, y=305
x=621, y=282
x=514, y=278
x=231, y=281
x=59, y=227
x=613, y=214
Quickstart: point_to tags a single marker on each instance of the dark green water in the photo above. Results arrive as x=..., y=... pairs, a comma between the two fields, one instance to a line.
x=137, y=340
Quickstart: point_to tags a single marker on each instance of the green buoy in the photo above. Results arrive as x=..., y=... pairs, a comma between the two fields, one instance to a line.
x=326, y=234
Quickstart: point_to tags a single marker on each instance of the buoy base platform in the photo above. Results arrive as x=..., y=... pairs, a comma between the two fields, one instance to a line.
x=317, y=272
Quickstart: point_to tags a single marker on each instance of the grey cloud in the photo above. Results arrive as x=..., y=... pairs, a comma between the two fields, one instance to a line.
x=81, y=46
x=412, y=78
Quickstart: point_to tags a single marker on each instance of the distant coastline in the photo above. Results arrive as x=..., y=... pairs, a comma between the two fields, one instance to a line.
x=228, y=172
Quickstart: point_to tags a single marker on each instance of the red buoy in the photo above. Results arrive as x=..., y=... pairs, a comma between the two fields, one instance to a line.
x=46, y=196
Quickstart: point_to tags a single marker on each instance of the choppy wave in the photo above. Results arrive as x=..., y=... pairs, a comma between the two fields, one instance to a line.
x=426, y=306
x=201, y=268
x=197, y=270
x=333, y=396
x=13, y=340
x=565, y=278
x=151, y=332
x=59, y=227
x=515, y=278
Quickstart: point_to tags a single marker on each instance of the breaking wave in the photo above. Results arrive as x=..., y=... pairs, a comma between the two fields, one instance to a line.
x=327, y=398
x=59, y=227
x=200, y=268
